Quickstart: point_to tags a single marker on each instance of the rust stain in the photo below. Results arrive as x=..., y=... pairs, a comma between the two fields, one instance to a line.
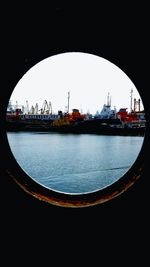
x=64, y=200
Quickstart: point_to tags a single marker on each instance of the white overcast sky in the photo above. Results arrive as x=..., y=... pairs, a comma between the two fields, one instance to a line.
x=87, y=77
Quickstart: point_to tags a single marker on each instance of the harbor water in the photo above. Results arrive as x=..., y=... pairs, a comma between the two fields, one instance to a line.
x=74, y=163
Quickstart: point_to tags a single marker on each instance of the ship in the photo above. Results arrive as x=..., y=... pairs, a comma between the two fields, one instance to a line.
x=106, y=122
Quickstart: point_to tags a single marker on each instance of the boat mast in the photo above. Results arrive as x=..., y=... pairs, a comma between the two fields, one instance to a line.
x=108, y=100
x=68, y=102
x=131, y=100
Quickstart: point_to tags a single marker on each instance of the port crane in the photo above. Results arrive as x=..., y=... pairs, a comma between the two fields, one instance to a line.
x=31, y=111
x=46, y=108
x=34, y=110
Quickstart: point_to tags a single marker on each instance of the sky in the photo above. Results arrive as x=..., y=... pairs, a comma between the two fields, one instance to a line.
x=88, y=78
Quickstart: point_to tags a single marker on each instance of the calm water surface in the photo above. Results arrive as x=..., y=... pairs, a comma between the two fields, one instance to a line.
x=73, y=163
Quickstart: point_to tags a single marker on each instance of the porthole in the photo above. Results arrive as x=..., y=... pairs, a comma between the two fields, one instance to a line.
x=75, y=128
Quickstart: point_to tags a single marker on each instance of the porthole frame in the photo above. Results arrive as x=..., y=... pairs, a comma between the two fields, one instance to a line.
x=61, y=199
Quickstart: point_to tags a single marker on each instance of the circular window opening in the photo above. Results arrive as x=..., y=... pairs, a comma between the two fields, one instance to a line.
x=75, y=125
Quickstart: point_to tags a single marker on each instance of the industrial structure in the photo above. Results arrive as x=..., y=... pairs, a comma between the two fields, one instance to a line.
x=20, y=117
